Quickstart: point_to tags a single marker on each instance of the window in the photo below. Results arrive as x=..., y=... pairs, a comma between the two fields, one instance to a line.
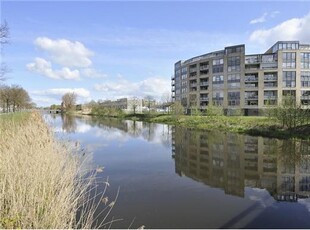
x=218, y=97
x=236, y=49
x=305, y=78
x=218, y=65
x=218, y=81
x=289, y=60
x=233, y=98
x=305, y=60
x=233, y=64
x=233, y=81
x=289, y=79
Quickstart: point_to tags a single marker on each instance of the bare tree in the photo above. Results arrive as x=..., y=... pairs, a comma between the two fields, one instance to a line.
x=134, y=104
x=149, y=102
x=69, y=100
x=4, y=39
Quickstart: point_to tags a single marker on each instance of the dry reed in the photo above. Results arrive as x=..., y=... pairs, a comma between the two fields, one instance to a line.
x=42, y=181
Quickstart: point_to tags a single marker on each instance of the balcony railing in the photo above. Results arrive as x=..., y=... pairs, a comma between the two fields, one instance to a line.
x=204, y=67
x=271, y=97
x=204, y=83
x=204, y=99
x=251, y=78
x=305, y=97
x=270, y=77
x=254, y=97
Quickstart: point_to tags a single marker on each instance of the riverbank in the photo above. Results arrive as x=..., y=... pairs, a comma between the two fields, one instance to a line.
x=251, y=125
x=256, y=126
x=42, y=182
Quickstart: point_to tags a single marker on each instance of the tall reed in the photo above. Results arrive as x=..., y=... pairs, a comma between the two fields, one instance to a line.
x=43, y=183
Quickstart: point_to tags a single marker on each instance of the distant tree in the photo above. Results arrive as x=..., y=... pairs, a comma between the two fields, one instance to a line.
x=134, y=104
x=14, y=98
x=4, y=39
x=69, y=100
x=149, y=102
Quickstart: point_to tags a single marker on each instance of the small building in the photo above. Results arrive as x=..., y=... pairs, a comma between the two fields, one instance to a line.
x=128, y=105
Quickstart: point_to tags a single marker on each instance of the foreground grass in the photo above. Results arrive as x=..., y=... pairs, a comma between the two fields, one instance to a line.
x=42, y=182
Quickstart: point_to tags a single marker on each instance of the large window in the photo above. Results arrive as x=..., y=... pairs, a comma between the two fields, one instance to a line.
x=233, y=64
x=233, y=98
x=218, y=65
x=233, y=81
x=305, y=60
x=305, y=78
x=289, y=79
x=218, y=81
x=218, y=97
x=289, y=60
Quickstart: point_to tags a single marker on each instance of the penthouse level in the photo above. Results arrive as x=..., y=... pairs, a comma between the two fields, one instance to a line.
x=234, y=80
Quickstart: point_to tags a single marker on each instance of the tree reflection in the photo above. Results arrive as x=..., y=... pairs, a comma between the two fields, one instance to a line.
x=68, y=123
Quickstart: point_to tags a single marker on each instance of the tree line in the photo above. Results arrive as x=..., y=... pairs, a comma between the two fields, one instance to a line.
x=14, y=98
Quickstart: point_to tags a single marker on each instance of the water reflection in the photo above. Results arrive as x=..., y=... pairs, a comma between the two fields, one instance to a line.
x=108, y=128
x=232, y=162
x=229, y=180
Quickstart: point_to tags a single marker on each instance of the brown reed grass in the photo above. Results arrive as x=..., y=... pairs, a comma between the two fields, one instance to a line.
x=43, y=183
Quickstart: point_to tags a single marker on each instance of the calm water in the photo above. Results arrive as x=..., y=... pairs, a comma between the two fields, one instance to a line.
x=179, y=178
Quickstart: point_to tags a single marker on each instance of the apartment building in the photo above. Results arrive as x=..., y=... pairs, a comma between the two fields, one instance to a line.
x=234, y=80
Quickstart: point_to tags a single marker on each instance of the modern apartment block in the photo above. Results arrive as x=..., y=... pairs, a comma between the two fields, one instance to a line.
x=234, y=80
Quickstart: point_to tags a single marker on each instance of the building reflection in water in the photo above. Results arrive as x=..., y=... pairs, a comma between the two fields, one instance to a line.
x=232, y=162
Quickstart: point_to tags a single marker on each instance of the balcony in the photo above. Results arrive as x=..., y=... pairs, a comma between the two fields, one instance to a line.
x=204, y=99
x=193, y=85
x=251, y=97
x=271, y=85
x=270, y=77
x=204, y=83
x=270, y=97
x=253, y=85
x=192, y=70
x=204, y=67
x=251, y=78
x=305, y=97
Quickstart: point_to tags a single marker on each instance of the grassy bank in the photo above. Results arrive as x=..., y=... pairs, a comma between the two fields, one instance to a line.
x=42, y=181
x=257, y=126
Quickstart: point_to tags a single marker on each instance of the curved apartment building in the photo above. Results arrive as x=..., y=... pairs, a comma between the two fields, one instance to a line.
x=234, y=80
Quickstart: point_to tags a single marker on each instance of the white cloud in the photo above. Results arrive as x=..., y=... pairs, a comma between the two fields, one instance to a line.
x=260, y=19
x=92, y=73
x=65, y=52
x=264, y=17
x=48, y=97
x=153, y=86
x=43, y=67
x=292, y=29
x=59, y=92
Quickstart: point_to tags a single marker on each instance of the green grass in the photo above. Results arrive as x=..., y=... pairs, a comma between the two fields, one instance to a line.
x=257, y=126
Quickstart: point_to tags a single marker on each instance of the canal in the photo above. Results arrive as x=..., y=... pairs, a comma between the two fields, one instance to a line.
x=172, y=177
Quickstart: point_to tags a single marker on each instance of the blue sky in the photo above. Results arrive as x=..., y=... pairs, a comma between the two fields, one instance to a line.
x=111, y=49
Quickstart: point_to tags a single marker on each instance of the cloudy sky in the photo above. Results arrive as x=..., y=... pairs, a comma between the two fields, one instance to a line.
x=111, y=49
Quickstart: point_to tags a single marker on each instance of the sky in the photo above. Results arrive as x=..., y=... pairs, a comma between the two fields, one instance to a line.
x=111, y=49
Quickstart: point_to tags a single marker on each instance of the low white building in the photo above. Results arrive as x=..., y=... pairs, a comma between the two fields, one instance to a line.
x=128, y=105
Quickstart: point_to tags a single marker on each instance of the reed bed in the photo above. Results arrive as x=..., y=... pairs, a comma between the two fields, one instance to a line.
x=43, y=183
